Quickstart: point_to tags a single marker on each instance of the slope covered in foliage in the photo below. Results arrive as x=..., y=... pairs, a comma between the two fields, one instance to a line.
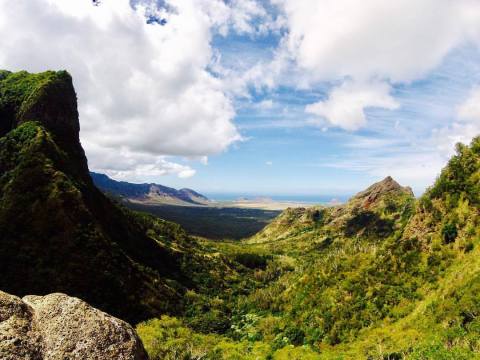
x=384, y=276
x=58, y=233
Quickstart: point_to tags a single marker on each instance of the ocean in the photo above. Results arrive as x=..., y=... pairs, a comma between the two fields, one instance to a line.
x=304, y=199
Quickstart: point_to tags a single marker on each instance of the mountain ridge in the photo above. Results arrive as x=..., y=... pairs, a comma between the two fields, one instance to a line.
x=147, y=192
x=59, y=233
x=362, y=212
x=383, y=276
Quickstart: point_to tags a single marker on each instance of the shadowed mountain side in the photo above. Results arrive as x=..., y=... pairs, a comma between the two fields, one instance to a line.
x=147, y=193
x=59, y=233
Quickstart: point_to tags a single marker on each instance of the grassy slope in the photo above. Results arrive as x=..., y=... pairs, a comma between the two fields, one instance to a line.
x=384, y=277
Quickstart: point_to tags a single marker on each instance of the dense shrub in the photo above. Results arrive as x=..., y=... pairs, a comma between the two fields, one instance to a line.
x=252, y=260
x=449, y=233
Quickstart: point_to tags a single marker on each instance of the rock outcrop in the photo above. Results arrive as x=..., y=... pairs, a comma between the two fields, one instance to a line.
x=57, y=326
x=388, y=187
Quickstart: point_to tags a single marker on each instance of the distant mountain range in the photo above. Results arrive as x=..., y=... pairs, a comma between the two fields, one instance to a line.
x=148, y=193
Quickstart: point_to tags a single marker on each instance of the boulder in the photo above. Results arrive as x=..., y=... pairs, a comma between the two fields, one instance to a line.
x=57, y=326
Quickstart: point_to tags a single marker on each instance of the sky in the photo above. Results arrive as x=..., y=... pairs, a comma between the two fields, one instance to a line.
x=263, y=97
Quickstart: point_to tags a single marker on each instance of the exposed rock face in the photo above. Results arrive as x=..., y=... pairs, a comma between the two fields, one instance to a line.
x=57, y=326
x=379, y=190
x=49, y=98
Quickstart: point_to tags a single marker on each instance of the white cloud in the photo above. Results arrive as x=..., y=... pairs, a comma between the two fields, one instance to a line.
x=365, y=41
x=399, y=40
x=469, y=111
x=266, y=104
x=152, y=171
x=413, y=162
x=141, y=87
x=269, y=163
x=346, y=104
x=124, y=164
x=243, y=12
x=464, y=128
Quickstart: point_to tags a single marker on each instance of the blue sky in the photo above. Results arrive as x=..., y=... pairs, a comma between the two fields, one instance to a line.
x=271, y=97
x=285, y=155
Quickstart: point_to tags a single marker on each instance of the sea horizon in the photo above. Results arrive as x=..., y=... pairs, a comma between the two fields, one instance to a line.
x=304, y=199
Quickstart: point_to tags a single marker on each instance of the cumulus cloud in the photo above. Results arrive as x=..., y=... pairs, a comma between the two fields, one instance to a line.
x=345, y=107
x=464, y=128
x=141, y=87
x=469, y=111
x=242, y=14
x=152, y=170
x=124, y=164
x=399, y=40
x=371, y=40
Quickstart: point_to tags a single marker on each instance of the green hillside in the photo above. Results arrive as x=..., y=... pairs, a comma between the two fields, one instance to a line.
x=59, y=233
x=384, y=276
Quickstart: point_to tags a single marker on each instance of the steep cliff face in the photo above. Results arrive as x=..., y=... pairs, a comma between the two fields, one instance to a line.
x=58, y=232
x=57, y=326
x=48, y=98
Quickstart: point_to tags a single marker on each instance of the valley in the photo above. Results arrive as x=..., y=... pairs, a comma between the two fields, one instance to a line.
x=239, y=180
x=214, y=222
x=382, y=276
x=197, y=214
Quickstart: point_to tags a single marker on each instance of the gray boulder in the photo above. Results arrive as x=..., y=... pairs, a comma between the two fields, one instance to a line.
x=57, y=326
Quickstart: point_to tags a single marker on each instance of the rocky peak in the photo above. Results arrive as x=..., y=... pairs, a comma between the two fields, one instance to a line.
x=57, y=326
x=58, y=231
x=379, y=190
x=48, y=98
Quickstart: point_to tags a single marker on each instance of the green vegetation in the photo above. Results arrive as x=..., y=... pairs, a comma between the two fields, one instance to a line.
x=58, y=233
x=211, y=222
x=384, y=276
